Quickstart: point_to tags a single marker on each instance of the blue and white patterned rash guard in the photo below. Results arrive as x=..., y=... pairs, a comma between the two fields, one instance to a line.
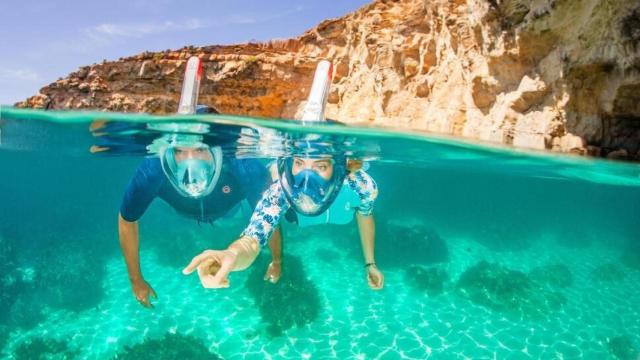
x=274, y=205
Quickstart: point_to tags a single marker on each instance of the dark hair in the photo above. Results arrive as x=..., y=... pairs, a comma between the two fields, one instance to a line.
x=206, y=109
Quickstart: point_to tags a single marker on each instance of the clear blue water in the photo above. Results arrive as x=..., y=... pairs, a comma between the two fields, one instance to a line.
x=487, y=252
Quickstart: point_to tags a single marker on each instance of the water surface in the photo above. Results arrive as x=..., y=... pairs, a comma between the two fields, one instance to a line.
x=488, y=252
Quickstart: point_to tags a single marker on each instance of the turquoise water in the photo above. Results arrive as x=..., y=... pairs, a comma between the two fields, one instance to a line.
x=487, y=253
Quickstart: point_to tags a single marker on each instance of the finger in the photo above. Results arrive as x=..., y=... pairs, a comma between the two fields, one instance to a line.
x=376, y=286
x=268, y=275
x=193, y=265
x=153, y=293
x=225, y=269
x=370, y=281
x=378, y=281
x=222, y=284
x=145, y=302
x=206, y=278
x=214, y=267
x=272, y=278
x=205, y=266
x=374, y=281
x=209, y=282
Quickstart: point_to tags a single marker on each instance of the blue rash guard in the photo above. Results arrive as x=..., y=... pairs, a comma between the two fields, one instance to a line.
x=239, y=179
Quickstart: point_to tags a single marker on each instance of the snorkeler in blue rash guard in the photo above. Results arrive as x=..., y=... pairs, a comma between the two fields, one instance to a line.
x=320, y=189
x=197, y=181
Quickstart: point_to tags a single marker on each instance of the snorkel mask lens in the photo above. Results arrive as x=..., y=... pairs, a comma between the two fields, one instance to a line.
x=194, y=175
x=193, y=172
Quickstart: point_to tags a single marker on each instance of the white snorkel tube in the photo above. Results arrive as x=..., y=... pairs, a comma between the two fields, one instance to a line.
x=190, y=86
x=314, y=108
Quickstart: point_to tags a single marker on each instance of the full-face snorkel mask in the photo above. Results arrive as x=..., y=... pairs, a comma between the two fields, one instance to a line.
x=307, y=185
x=192, y=170
x=309, y=189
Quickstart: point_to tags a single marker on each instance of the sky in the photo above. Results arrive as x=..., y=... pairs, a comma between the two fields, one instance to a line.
x=41, y=41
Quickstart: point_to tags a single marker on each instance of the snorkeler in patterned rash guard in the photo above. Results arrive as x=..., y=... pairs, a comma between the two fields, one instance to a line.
x=198, y=181
x=325, y=189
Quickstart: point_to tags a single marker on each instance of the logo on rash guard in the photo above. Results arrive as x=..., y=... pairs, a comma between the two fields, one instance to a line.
x=226, y=189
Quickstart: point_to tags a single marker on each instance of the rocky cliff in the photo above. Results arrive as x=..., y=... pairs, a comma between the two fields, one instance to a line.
x=562, y=75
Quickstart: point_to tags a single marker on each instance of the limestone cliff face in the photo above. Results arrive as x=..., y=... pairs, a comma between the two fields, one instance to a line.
x=546, y=74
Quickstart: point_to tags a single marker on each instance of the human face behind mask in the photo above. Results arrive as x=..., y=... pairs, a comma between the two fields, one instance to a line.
x=322, y=167
x=184, y=153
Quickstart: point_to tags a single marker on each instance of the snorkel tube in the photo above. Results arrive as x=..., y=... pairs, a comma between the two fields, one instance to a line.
x=317, y=101
x=190, y=86
x=308, y=192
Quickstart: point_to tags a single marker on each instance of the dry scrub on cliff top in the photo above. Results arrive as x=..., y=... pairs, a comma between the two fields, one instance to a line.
x=547, y=74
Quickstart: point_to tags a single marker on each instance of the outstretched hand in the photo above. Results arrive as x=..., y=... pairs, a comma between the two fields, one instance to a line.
x=213, y=268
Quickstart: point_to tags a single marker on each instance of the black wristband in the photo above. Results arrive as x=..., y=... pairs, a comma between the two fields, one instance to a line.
x=369, y=264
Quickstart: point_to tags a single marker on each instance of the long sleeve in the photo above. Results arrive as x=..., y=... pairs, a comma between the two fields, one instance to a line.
x=366, y=188
x=267, y=214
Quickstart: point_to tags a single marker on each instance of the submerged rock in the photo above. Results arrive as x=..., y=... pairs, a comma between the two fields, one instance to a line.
x=608, y=273
x=556, y=275
x=171, y=346
x=44, y=349
x=429, y=280
x=18, y=307
x=508, y=291
x=69, y=276
x=621, y=347
x=410, y=244
x=293, y=301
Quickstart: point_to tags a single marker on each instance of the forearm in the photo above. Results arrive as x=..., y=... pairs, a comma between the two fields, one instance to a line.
x=275, y=245
x=129, y=243
x=367, y=229
x=245, y=249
